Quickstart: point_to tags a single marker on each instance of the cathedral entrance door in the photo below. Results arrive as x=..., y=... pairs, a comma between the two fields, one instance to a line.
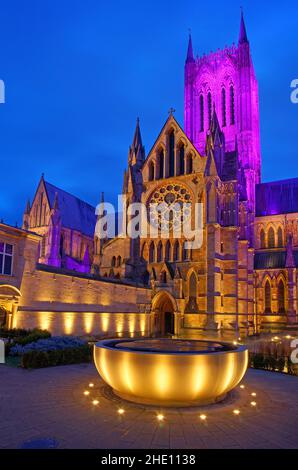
x=168, y=323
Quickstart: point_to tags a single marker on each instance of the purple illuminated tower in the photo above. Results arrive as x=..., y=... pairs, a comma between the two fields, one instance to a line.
x=225, y=80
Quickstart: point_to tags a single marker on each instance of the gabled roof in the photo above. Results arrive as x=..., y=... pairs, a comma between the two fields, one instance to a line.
x=172, y=119
x=277, y=197
x=75, y=213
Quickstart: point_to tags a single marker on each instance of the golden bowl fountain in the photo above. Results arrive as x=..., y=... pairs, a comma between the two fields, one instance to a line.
x=170, y=372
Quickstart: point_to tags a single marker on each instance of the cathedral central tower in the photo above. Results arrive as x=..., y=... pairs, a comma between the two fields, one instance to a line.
x=225, y=80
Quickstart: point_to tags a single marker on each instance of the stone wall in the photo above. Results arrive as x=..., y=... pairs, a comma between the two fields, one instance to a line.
x=76, y=304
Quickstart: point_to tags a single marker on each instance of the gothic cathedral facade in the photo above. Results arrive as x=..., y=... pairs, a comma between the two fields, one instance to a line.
x=243, y=276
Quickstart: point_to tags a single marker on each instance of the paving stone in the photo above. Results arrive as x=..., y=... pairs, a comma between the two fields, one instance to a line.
x=50, y=404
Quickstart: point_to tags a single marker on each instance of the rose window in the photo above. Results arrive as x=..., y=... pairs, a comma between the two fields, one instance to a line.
x=169, y=207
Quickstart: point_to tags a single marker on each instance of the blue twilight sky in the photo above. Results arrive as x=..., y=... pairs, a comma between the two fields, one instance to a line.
x=78, y=73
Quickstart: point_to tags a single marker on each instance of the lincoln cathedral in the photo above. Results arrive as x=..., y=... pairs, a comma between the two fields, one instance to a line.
x=58, y=273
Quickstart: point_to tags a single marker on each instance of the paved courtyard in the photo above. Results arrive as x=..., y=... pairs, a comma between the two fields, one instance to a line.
x=51, y=404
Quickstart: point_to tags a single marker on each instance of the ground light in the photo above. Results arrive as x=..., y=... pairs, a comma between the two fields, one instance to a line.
x=86, y=392
x=253, y=403
x=203, y=417
x=95, y=402
x=121, y=411
x=236, y=412
x=160, y=417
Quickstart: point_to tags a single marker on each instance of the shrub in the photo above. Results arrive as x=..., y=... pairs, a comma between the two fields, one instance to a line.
x=47, y=344
x=269, y=363
x=37, y=359
x=33, y=336
x=280, y=364
x=13, y=333
x=258, y=361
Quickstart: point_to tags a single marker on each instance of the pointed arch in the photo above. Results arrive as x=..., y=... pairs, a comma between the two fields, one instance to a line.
x=201, y=113
x=113, y=261
x=209, y=107
x=161, y=164
x=151, y=171
x=271, y=238
x=223, y=107
x=152, y=253
x=181, y=155
x=281, y=296
x=119, y=261
x=176, y=254
x=159, y=252
x=262, y=239
x=232, y=105
x=267, y=297
x=171, y=153
x=168, y=251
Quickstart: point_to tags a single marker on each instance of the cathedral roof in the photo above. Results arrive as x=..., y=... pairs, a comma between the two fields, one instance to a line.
x=75, y=213
x=278, y=197
x=273, y=259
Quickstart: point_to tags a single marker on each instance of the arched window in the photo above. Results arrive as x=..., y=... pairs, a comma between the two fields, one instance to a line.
x=161, y=164
x=262, y=239
x=163, y=277
x=271, y=238
x=279, y=237
x=209, y=104
x=201, y=113
x=181, y=160
x=267, y=297
x=151, y=171
x=168, y=251
x=171, y=153
x=113, y=262
x=119, y=261
x=189, y=165
x=144, y=252
x=232, y=105
x=281, y=297
x=152, y=253
x=223, y=107
x=159, y=252
x=176, y=255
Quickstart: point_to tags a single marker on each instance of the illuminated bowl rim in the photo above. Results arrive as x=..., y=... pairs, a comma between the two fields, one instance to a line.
x=109, y=343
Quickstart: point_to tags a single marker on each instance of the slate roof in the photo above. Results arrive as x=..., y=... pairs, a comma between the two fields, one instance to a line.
x=272, y=259
x=278, y=197
x=75, y=213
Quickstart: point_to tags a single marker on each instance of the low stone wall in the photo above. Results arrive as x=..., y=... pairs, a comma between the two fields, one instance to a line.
x=86, y=323
x=66, y=303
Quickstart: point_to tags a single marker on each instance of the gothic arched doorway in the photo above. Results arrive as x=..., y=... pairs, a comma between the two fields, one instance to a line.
x=164, y=307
